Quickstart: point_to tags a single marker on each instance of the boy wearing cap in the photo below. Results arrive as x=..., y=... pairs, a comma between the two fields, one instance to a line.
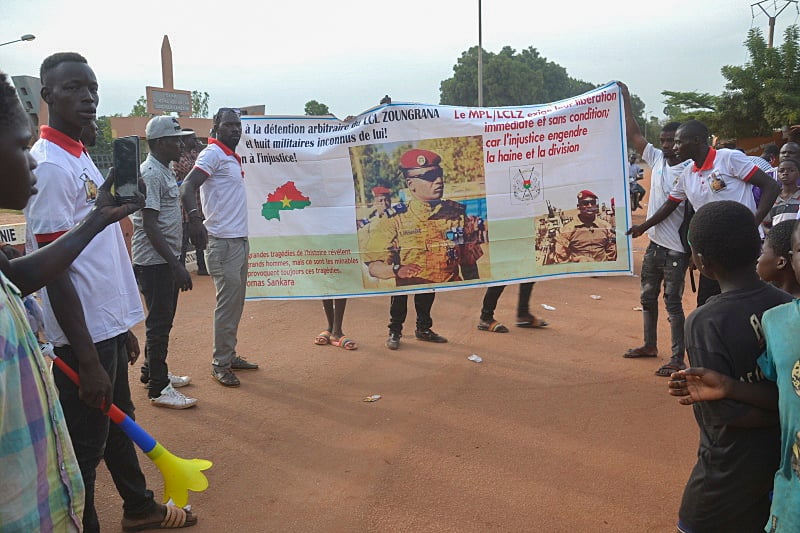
x=157, y=239
x=587, y=238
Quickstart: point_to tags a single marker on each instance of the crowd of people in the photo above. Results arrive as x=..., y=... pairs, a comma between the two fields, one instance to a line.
x=54, y=433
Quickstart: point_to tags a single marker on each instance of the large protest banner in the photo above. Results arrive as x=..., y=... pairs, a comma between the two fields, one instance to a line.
x=411, y=197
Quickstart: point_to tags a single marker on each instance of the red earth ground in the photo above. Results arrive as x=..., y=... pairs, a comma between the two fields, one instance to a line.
x=553, y=431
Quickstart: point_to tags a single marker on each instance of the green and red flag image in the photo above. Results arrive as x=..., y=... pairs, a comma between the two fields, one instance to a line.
x=285, y=198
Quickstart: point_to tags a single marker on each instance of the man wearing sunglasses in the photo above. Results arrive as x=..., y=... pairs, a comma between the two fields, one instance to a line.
x=430, y=242
x=587, y=238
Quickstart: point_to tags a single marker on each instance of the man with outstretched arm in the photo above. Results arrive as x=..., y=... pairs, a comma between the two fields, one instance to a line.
x=715, y=175
x=666, y=258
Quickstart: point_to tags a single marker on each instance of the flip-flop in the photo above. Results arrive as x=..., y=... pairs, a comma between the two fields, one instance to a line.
x=667, y=370
x=174, y=518
x=344, y=342
x=531, y=322
x=323, y=338
x=636, y=353
x=494, y=326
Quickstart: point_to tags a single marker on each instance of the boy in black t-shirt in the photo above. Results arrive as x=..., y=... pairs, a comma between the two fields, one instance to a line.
x=729, y=487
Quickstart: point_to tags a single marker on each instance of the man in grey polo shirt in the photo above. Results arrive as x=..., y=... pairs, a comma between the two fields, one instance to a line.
x=156, y=248
x=219, y=175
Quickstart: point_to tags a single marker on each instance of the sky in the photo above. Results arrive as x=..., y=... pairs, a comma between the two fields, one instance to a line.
x=347, y=55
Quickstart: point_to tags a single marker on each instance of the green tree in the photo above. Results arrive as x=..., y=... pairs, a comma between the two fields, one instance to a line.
x=781, y=95
x=652, y=130
x=314, y=108
x=200, y=104
x=509, y=79
x=140, y=108
x=682, y=106
x=759, y=96
x=104, y=139
x=740, y=108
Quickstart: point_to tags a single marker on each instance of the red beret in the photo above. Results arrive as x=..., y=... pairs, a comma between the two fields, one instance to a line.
x=584, y=194
x=380, y=191
x=414, y=159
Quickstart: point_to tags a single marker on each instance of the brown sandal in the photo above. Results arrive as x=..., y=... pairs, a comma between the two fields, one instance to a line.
x=494, y=326
x=530, y=321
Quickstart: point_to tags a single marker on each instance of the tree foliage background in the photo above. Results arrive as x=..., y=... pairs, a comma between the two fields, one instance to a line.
x=314, y=108
x=513, y=78
x=759, y=96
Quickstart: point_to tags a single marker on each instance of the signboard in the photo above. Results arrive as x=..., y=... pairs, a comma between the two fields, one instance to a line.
x=160, y=101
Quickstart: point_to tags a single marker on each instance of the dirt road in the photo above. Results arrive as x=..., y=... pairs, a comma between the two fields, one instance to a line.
x=553, y=431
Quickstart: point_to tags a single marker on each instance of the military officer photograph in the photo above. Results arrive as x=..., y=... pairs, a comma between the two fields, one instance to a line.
x=381, y=202
x=432, y=240
x=587, y=238
x=428, y=240
x=367, y=221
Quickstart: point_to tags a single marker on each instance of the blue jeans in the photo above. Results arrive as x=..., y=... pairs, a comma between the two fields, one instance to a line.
x=668, y=267
x=157, y=284
x=94, y=437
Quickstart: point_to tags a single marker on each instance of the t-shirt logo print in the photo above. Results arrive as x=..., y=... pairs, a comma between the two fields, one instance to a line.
x=89, y=187
x=716, y=182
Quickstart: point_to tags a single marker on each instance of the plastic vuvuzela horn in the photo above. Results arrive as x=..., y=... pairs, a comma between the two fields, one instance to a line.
x=180, y=475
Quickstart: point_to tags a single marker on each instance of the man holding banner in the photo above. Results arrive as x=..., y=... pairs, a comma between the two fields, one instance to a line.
x=427, y=243
x=219, y=171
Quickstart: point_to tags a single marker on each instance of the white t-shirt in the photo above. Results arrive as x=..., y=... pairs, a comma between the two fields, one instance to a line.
x=102, y=274
x=223, y=194
x=724, y=176
x=662, y=179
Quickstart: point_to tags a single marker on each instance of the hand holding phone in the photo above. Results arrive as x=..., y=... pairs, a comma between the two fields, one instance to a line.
x=126, y=168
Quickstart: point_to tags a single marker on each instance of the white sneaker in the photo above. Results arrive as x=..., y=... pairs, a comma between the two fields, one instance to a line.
x=173, y=399
x=178, y=381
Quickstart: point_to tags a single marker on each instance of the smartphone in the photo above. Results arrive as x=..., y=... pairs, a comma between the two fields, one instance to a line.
x=126, y=168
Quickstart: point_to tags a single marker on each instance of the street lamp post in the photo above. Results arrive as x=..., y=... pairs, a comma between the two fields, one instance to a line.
x=480, y=57
x=26, y=37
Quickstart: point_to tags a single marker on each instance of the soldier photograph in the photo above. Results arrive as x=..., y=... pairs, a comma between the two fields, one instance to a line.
x=586, y=236
x=422, y=238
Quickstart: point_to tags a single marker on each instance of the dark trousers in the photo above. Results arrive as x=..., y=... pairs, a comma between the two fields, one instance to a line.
x=662, y=266
x=399, y=310
x=706, y=288
x=493, y=295
x=94, y=437
x=157, y=284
